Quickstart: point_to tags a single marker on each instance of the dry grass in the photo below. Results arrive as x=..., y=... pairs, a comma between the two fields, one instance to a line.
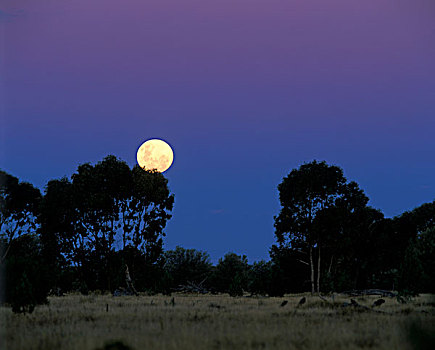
x=217, y=322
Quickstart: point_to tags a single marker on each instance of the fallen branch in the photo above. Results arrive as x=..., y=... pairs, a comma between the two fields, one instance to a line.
x=192, y=287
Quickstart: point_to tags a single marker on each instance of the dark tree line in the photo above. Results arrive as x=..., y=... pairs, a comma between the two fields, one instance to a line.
x=82, y=232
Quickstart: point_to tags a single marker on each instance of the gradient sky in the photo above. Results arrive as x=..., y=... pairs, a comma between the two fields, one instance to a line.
x=244, y=91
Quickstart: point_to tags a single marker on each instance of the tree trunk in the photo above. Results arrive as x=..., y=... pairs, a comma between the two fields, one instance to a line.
x=3, y=258
x=129, y=282
x=312, y=270
x=330, y=265
x=318, y=272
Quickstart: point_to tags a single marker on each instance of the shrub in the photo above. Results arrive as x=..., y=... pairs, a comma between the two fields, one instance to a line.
x=22, y=298
x=26, y=275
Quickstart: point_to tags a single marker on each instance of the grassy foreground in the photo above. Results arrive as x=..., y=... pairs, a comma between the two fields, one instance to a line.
x=218, y=322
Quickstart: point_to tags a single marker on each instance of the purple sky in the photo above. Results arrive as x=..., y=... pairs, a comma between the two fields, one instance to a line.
x=244, y=91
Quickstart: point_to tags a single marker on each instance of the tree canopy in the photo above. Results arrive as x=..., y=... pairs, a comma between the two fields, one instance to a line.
x=19, y=204
x=106, y=207
x=313, y=197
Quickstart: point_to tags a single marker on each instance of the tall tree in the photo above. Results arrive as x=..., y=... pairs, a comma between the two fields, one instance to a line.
x=19, y=207
x=105, y=207
x=306, y=194
x=148, y=211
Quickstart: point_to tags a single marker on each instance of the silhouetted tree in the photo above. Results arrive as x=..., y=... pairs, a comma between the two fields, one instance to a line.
x=19, y=204
x=303, y=193
x=62, y=245
x=105, y=206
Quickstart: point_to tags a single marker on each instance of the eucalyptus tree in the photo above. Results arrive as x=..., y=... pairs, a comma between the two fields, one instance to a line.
x=98, y=193
x=19, y=207
x=148, y=210
x=312, y=198
x=108, y=206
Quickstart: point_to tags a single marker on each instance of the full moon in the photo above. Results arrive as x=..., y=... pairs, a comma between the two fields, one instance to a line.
x=155, y=154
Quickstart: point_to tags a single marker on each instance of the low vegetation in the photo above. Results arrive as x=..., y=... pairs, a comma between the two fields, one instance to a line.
x=183, y=321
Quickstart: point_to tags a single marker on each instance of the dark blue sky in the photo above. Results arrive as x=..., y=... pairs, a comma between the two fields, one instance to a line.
x=243, y=90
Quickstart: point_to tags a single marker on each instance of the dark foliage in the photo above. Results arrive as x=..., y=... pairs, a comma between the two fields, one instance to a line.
x=104, y=206
x=304, y=194
x=26, y=274
x=326, y=220
x=289, y=272
x=260, y=278
x=418, y=268
x=19, y=207
x=186, y=265
x=231, y=274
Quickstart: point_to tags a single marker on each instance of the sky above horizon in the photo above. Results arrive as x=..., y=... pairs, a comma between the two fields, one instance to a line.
x=243, y=90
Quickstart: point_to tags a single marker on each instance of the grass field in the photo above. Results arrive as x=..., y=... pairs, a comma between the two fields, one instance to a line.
x=219, y=322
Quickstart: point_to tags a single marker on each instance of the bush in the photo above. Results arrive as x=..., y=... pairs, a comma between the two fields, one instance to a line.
x=22, y=298
x=26, y=275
